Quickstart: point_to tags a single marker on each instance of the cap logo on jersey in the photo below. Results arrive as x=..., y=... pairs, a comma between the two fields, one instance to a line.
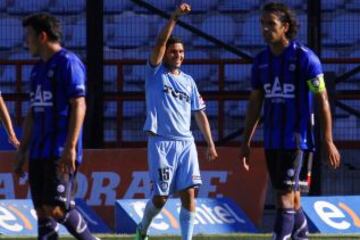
x=276, y=90
x=41, y=98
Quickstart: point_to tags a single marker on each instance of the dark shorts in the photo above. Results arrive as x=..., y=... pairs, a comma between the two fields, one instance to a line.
x=285, y=168
x=47, y=187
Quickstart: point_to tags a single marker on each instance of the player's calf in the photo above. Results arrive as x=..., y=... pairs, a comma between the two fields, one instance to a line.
x=47, y=229
x=284, y=224
x=300, y=231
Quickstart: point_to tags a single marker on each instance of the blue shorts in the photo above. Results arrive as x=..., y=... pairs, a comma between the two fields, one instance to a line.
x=47, y=187
x=173, y=165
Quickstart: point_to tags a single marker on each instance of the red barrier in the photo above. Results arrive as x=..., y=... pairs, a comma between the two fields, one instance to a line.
x=107, y=175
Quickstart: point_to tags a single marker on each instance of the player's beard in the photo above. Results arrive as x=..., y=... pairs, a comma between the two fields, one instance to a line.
x=172, y=68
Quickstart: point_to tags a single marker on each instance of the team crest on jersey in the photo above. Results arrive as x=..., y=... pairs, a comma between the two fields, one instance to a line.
x=292, y=67
x=50, y=73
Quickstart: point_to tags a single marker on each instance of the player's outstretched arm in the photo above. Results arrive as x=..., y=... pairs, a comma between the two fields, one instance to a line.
x=160, y=46
x=5, y=118
x=204, y=126
x=332, y=153
x=251, y=121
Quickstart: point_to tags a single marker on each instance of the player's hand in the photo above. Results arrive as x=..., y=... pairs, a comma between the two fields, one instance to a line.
x=67, y=161
x=181, y=10
x=18, y=165
x=211, y=153
x=245, y=156
x=14, y=141
x=332, y=155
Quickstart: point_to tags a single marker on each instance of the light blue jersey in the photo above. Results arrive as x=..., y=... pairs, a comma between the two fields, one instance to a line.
x=170, y=99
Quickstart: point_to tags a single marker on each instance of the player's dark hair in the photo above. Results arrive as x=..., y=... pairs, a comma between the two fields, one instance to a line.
x=44, y=22
x=173, y=40
x=285, y=14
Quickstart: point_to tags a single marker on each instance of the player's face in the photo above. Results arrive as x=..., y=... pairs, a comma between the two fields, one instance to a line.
x=273, y=30
x=174, y=55
x=32, y=41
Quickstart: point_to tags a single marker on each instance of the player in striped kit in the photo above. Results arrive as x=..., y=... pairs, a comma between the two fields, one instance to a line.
x=52, y=132
x=171, y=97
x=287, y=78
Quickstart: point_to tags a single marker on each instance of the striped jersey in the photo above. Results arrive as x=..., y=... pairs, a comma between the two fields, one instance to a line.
x=288, y=101
x=53, y=84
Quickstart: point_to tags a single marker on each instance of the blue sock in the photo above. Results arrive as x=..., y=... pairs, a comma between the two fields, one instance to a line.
x=186, y=223
x=47, y=229
x=300, y=231
x=76, y=225
x=149, y=213
x=284, y=224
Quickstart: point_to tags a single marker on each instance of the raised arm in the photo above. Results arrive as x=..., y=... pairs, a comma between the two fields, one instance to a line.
x=160, y=46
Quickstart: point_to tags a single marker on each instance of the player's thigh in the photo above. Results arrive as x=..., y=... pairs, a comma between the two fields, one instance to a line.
x=37, y=181
x=284, y=167
x=161, y=159
x=188, y=170
x=59, y=189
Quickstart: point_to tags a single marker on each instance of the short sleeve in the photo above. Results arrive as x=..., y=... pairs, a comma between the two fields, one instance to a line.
x=313, y=73
x=255, y=77
x=152, y=70
x=197, y=102
x=312, y=66
x=75, y=79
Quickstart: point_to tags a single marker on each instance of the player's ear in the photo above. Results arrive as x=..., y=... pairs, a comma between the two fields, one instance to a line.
x=286, y=26
x=43, y=37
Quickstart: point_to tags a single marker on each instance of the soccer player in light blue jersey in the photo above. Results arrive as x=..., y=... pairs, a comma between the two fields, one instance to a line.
x=171, y=97
x=287, y=78
x=52, y=132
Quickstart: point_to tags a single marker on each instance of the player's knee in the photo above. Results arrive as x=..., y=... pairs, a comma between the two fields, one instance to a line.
x=159, y=201
x=41, y=213
x=55, y=212
x=297, y=202
x=285, y=199
x=188, y=199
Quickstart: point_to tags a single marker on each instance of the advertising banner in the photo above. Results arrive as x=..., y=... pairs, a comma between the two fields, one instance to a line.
x=213, y=216
x=18, y=217
x=108, y=175
x=338, y=214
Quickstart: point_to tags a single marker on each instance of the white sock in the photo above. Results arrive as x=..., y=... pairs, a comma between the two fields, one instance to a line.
x=186, y=223
x=150, y=212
